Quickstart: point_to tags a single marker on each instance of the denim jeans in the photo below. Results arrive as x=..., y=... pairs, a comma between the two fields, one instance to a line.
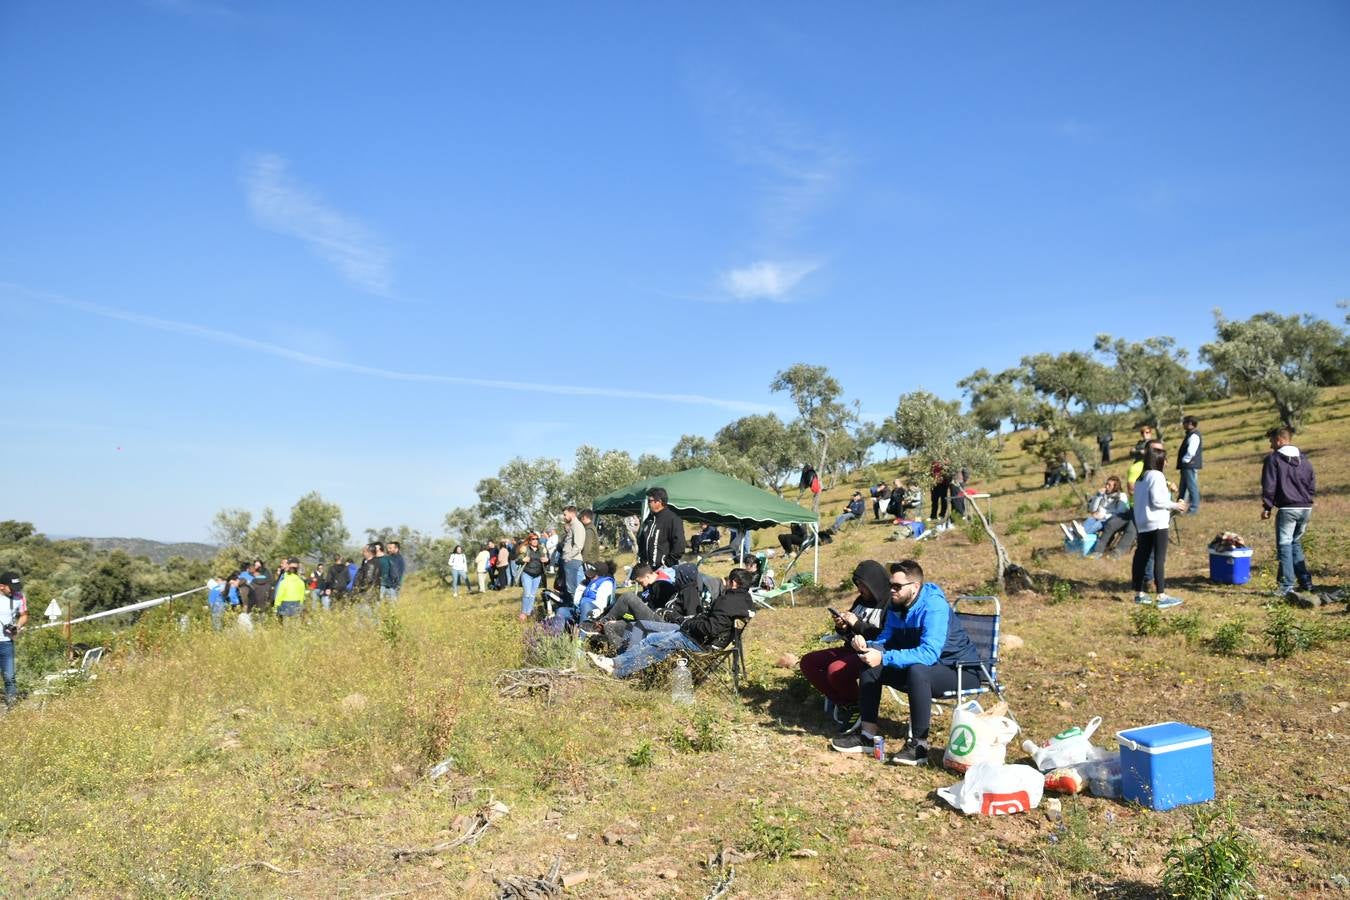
x=1190, y=489
x=655, y=647
x=572, y=571
x=529, y=585
x=458, y=577
x=1290, y=524
x=7, y=667
x=388, y=593
x=846, y=517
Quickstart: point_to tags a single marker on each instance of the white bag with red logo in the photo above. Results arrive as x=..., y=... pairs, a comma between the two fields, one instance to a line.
x=990, y=789
x=978, y=736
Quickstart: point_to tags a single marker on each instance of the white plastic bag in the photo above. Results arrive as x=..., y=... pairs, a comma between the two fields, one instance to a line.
x=1068, y=748
x=996, y=790
x=978, y=736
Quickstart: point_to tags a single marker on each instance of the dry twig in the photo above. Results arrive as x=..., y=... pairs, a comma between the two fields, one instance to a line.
x=530, y=681
x=478, y=823
x=262, y=864
x=517, y=887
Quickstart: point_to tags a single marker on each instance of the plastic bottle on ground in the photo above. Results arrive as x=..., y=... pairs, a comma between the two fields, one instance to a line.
x=681, y=683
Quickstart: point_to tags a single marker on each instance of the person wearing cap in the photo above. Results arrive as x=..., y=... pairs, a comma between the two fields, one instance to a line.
x=854, y=510
x=13, y=617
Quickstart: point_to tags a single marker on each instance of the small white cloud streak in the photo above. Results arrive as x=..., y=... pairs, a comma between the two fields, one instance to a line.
x=320, y=362
x=765, y=280
x=281, y=205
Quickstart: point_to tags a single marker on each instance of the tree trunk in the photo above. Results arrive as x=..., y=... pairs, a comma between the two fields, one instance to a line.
x=1002, y=561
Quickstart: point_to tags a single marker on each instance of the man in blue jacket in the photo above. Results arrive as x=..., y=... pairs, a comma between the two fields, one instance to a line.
x=917, y=652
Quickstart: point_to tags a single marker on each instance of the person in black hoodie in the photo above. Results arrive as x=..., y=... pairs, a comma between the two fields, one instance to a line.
x=834, y=671
x=1289, y=487
x=661, y=537
x=714, y=628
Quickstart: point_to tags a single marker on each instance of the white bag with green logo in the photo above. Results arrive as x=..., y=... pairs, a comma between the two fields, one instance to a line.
x=978, y=736
x=1068, y=748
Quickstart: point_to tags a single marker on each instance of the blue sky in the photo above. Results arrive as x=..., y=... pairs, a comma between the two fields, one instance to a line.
x=249, y=250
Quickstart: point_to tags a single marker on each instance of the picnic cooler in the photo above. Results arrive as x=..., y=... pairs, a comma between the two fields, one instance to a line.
x=1230, y=566
x=1166, y=765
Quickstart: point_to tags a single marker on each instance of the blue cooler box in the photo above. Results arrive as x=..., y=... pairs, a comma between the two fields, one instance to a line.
x=1230, y=566
x=1166, y=765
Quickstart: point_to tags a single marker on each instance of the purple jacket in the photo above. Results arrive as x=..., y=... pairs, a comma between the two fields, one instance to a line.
x=1287, y=480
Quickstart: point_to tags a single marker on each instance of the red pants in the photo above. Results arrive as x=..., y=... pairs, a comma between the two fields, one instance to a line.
x=834, y=673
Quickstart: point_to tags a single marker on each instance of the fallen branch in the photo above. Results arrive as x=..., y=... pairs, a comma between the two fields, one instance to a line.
x=516, y=887
x=262, y=864
x=478, y=823
x=723, y=885
x=531, y=681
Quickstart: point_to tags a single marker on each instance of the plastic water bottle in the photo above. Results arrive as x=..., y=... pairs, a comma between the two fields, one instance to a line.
x=681, y=684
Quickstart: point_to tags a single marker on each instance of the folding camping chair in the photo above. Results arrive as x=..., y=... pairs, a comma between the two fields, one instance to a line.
x=724, y=665
x=983, y=628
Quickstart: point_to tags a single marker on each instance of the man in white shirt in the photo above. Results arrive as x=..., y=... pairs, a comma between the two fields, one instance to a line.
x=13, y=617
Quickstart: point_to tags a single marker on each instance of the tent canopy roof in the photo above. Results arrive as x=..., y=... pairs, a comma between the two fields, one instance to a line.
x=708, y=496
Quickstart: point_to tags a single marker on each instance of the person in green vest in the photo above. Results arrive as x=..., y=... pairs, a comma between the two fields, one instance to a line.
x=290, y=591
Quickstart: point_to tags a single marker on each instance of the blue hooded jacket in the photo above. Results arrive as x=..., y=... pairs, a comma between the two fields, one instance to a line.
x=926, y=634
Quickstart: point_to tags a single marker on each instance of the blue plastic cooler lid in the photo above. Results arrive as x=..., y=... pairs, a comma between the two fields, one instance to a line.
x=1163, y=737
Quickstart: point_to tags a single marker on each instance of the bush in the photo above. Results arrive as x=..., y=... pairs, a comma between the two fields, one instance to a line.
x=1045, y=505
x=703, y=734
x=1186, y=624
x=1147, y=621
x=974, y=530
x=1230, y=638
x=1287, y=635
x=1062, y=592
x=774, y=836
x=1210, y=862
x=545, y=650
x=643, y=756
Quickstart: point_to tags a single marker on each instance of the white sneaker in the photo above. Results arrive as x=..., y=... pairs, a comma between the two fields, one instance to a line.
x=603, y=663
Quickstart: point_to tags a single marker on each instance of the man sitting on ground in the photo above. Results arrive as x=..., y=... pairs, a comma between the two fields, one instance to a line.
x=917, y=651
x=714, y=628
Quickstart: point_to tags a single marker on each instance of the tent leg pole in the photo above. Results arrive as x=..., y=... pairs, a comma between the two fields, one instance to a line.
x=815, y=572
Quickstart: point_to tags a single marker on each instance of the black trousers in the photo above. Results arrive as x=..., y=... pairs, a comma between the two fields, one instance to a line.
x=938, y=496
x=1122, y=525
x=1154, y=544
x=920, y=683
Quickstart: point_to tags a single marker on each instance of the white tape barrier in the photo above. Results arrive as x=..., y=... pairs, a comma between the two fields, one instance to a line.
x=144, y=604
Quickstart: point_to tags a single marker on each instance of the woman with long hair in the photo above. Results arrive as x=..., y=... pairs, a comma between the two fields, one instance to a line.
x=1153, y=508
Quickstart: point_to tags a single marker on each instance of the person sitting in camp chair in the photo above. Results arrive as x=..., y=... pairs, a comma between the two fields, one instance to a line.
x=714, y=628
x=834, y=671
x=917, y=651
x=854, y=510
x=709, y=535
x=593, y=596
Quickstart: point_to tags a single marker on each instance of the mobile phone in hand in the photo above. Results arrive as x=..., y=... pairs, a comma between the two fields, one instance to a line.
x=834, y=612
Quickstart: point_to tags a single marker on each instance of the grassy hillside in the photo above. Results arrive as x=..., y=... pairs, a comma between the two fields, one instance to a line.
x=292, y=762
x=158, y=552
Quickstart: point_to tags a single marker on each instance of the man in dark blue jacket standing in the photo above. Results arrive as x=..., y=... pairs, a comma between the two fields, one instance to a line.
x=917, y=651
x=1288, y=486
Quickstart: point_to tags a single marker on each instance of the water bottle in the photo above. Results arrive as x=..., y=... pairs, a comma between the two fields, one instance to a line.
x=681, y=684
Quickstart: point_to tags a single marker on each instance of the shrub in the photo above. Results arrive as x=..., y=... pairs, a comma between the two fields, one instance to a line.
x=1062, y=592
x=703, y=734
x=1287, y=635
x=1045, y=505
x=1147, y=621
x=1186, y=624
x=1211, y=861
x=545, y=650
x=974, y=531
x=643, y=756
x=774, y=836
x=1230, y=638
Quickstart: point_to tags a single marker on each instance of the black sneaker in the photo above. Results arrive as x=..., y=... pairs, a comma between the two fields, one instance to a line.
x=914, y=753
x=852, y=743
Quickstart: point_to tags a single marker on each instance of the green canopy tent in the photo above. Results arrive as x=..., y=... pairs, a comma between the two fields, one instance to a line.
x=709, y=496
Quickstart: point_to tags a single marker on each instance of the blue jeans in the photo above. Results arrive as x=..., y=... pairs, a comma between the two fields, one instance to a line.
x=457, y=578
x=664, y=640
x=7, y=666
x=529, y=585
x=388, y=593
x=1190, y=489
x=846, y=517
x=572, y=570
x=1290, y=524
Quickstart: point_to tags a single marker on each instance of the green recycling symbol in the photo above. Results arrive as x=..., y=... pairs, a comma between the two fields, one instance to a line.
x=962, y=741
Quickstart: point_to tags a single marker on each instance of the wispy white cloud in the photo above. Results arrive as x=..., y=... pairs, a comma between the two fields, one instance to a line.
x=765, y=280
x=280, y=204
x=321, y=362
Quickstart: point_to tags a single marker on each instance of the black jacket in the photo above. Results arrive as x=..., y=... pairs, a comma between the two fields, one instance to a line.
x=717, y=626
x=871, y=611
x=661, y=539
x=368, y=576
x=335, y=578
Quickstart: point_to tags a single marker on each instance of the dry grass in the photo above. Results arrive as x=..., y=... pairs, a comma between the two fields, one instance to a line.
x=183, y=772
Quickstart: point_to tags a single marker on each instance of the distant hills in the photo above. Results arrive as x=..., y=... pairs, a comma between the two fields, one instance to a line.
x=158, y=551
